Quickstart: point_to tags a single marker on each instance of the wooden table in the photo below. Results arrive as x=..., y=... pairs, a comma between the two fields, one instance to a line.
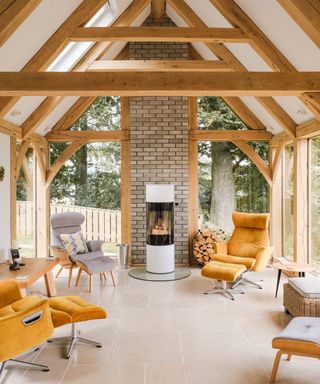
x=299, y=268
x=33, y=270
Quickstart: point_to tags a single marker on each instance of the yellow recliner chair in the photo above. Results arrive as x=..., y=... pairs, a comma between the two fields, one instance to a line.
x=24, y=323
x=248, y=250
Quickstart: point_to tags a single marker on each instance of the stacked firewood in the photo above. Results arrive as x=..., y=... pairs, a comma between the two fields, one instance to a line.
x=203, y=245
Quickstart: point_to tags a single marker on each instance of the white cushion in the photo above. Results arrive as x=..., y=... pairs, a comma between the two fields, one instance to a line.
x=308, y=287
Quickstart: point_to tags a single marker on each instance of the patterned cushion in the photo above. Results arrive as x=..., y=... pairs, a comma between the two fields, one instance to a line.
x=74, y=243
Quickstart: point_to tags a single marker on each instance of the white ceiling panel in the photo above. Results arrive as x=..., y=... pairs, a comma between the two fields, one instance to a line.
x=270, y=123
x=295, y=108
x=285, y=34
x=23, y=109
x=34, y=32
x=55, y=115
x=248, y=57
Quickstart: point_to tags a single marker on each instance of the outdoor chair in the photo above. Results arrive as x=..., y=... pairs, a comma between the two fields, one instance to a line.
x=91, y=262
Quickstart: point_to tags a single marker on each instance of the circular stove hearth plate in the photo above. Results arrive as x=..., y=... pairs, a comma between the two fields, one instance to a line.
x=141, y=273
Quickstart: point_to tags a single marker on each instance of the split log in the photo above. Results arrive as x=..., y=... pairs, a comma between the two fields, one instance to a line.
x=203, y=247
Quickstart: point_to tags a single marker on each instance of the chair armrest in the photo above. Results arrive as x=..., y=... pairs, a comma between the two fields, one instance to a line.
x=61, y=254
x=94, y=245
x=25, y=329
x=9, y=292
x=221, y=247
x=263, y=257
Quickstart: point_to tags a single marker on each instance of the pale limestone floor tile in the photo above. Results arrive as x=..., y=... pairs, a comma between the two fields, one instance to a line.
x=165, y=374
x=54, y=358
x=147, y=348
x=115, y=373
x=167, y=319
x=169, y=332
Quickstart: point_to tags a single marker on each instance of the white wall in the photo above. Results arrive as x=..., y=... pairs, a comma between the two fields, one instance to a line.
x=5, y=237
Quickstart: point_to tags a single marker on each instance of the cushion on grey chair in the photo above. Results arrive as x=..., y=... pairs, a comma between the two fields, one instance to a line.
x=308, y=287
x=302, y=329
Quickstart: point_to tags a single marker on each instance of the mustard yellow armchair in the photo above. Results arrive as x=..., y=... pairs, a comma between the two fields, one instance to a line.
x=24, y=323
x=249, y=244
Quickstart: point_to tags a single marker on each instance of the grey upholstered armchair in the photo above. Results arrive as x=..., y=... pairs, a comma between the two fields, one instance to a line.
x=92, y=262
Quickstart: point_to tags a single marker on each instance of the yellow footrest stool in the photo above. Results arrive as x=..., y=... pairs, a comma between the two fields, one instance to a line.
x=226, y=273
x=72, y=310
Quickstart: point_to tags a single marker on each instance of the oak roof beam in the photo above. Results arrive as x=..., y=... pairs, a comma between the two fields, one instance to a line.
x=158, y=84
x=306, y=13
x=160, y=34
x=158, y=66
x=230, y=135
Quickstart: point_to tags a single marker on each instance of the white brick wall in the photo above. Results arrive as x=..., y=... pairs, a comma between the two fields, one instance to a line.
x=159, y=149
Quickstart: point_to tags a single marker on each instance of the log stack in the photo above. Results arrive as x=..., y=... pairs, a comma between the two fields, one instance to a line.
x=203, y=245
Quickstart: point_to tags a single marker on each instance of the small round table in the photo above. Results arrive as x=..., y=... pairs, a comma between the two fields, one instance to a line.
x=299, y=268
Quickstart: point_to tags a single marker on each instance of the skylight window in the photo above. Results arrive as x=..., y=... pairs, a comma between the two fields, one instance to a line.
x=74, y=51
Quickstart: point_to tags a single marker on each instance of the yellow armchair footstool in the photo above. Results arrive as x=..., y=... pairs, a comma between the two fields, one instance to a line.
x=72, y=310
x=226, y=273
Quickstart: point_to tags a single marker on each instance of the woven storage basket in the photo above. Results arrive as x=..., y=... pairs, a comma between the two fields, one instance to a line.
x=298, y=305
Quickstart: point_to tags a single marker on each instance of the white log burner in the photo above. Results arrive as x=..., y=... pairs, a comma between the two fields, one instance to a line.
x=160, y=228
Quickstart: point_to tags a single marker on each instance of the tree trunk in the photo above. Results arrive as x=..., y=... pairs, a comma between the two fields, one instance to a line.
x=223, y=190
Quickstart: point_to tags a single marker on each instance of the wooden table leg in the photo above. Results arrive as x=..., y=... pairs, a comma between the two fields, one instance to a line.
x=50, y=284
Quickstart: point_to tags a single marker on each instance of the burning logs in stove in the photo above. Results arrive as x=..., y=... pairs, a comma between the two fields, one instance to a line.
x=203, y=245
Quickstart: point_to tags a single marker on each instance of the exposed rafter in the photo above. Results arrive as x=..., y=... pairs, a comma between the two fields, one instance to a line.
x=158, y=8
x=55, y=45
x=158, y=84
x=306, y=13
x=12, y=15
x=218, y=49
x=312, y=101
x=265, y=48
x=159, y=66
x=97, y=51
x=161, y=34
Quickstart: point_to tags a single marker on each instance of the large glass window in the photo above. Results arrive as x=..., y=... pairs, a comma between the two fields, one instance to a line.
x=288, y=202
x=25, y=223
x=89, y=182
x=228, y=180
x=314, y=168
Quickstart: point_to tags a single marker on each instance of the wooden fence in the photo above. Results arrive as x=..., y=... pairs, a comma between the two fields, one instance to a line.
x=100, y=224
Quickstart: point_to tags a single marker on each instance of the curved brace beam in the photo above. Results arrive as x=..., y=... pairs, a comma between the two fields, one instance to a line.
x=255, y=158
x=65, y=155
x=276, y=161
x=41, y=161
x=21, y=155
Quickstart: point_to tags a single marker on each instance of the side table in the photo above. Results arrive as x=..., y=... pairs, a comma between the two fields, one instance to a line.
x=299, y=268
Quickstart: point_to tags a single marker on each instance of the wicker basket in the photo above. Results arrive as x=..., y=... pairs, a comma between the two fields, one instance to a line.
x=298, y=305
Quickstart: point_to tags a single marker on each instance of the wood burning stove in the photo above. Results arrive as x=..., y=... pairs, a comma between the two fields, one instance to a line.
x=160, y=228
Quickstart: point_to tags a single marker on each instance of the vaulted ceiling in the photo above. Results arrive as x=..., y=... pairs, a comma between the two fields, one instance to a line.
x=283, y=37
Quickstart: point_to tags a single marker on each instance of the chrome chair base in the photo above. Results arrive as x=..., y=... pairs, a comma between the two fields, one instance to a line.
x=223, y=290
x=74, y=339
x=244, y=280
x=44, y=368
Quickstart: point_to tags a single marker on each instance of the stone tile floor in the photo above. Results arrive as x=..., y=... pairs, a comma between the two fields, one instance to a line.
x=170, y=333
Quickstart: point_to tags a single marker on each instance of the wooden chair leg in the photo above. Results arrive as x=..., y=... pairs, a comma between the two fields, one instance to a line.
x=70, y=276
x=60, y=270
x=78, y=276
x=289, y=357
x=275, y=366
x=104, y=275
x=90, y=282
x=114, y=284
x=101, y=277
